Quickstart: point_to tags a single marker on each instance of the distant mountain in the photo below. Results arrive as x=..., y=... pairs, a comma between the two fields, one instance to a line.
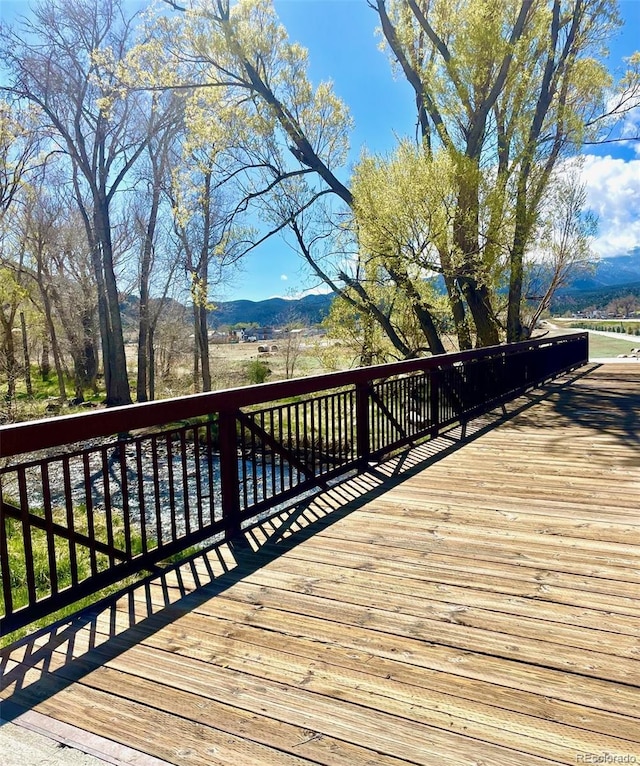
x=609, y=272
x=272, y=312
x=611, y=278
x=580, y=300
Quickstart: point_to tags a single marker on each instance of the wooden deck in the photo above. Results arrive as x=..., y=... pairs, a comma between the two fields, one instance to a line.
x=475, y=602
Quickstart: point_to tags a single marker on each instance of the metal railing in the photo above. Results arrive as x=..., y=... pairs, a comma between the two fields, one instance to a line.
x=87, y=500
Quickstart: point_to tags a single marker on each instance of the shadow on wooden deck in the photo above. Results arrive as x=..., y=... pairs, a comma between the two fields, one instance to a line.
x=26, y=667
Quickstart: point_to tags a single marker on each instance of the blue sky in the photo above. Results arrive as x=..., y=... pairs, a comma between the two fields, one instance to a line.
x=344, y=48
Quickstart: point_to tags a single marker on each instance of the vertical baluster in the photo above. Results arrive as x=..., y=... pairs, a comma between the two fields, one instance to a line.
x=282, y=440
x=434, y=401
x=198, y=473
x=229, y=473
x=274, y=454
x=263, y=478
x=254, y=463
x=172, y=487
x=68, y=498
x=299, y=447
x=124, y=489
x=384, y=419
x=243, y=464
x=389, y=430
x=4, y=557
x=156, y=491
x=210, y=472
x=349, y=404
x=393, y=393
x=48, y=518
x=185, y=480
x=107, y=502
x=310, y=419
x=318, y=441
x=350, y=412
x=324, y=432
x=336, y=427
x=380, y=418
x=363, y=437
x=141, y=497
x=26, y=536
x=88, y=496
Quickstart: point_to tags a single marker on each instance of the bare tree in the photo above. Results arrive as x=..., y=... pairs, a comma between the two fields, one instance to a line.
x=564, y=239
x=153, y=201
x=55, y=64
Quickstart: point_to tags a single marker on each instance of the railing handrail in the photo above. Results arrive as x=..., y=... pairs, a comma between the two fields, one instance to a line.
x=47, y=433
x=174, y=473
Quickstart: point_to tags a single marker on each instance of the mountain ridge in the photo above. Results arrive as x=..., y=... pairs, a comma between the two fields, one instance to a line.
x=610, y=278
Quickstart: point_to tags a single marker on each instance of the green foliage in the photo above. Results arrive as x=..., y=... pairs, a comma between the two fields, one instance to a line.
x=257, y=371
x=365, y=341
x=403, y=207
x=41, y=568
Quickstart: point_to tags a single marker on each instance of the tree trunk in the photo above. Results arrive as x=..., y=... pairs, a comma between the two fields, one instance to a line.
x=45, y=364
x=203, y=337
x=142, y=380
x=422, y=313
x=455, y=302
x=516, y=276
x=196, y=350
x=151, y=362
x=465, y=237
x=114, y=359
x=55, y=348
x=27, y=359
x=11, y=364
x=479, y=303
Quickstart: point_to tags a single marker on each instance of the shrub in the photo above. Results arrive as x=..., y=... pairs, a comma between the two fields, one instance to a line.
x=257, y=371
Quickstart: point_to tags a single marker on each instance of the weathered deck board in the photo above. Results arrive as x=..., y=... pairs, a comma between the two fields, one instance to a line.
x=475, y=601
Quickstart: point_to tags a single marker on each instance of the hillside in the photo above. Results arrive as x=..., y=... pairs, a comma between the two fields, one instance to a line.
x=611, y=278
x=609, y=272
x=274, y=311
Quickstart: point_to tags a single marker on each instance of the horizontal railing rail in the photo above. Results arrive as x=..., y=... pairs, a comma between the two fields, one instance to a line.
x=88, y=500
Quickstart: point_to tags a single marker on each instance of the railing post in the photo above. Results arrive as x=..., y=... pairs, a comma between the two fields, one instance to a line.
x=229, y=484
x=363, y=440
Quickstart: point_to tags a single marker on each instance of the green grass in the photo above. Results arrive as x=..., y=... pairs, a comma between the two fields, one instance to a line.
x=42, y=573
x=601, y=346
x=629, y=327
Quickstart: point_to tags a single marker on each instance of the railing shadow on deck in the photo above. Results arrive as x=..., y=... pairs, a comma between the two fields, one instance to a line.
x=39, y=666
x=597, y=406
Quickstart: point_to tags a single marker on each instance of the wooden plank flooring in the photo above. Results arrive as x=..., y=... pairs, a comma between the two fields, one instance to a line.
x=473, y=602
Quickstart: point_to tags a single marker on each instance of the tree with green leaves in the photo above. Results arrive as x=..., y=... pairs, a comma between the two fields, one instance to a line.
x=507, y=90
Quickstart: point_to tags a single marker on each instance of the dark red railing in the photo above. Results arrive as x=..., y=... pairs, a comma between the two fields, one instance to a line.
x=87, y=500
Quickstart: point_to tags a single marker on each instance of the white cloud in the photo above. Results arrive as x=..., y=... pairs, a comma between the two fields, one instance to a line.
x=321, y=289
x=284, y=277
x=613, y=194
